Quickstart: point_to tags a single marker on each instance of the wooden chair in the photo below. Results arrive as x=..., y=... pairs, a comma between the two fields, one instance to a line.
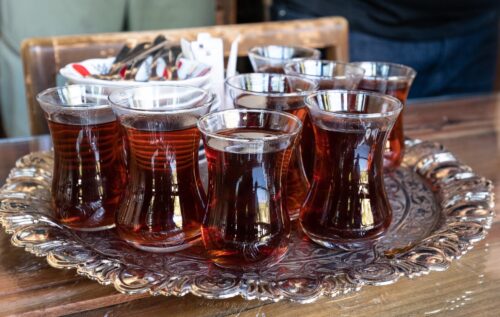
x=43, y=57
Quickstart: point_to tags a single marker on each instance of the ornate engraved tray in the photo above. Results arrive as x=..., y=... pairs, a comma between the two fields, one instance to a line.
x=441, y=208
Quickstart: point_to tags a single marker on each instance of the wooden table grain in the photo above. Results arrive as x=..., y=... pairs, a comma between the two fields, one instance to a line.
x=468, y=126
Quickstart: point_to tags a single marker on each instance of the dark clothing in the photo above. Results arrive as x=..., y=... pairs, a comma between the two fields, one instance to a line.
x=453, y=51
x=401, y=19
x=451, y=66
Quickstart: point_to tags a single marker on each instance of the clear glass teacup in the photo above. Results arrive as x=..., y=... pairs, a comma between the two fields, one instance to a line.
x=394, y=80
x=283, y=93
x=347, y=206
x=89, y=169
x=164, y=201
x=246, y=225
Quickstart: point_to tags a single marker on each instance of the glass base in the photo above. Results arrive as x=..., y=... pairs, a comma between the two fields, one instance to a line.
x=92, y=229
x=164, y=247
x=264, y=264
x=343, y=244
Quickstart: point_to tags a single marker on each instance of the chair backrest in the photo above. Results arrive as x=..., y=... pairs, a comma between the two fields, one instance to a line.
x=43, y=57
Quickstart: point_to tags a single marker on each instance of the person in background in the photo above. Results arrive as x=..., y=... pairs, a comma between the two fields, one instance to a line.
x=452, y=44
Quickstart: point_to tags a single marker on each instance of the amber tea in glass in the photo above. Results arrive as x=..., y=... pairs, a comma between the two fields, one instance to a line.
x=272, y=58
x=394, y=80
x=246, y=225
x=164, y=201
x=347, y=206
x=283, y=93
x=89, y=171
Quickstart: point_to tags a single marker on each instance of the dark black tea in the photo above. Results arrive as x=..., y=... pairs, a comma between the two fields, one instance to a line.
x=89, y=174
x=347, y=201
x=246, y=224
x=164, y=202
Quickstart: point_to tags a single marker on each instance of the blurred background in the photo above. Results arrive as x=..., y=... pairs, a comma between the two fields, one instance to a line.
x=453, y=45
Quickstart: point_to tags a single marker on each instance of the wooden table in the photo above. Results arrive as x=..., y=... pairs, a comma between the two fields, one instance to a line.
x=468, y=126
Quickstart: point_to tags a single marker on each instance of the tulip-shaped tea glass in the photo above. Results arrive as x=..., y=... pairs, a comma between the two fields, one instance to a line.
x=89, y=171
x=347, y=206
x=272, y=58
x=246, y=225
x=328, y=74
x=283, y=93
x=164, y=201
x=394, y=80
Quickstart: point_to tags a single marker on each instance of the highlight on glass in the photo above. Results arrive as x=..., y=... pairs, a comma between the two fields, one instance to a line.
x=394, y=80
x=347, y=206
x=272, y=58
x=164, y=201
x=283, y=93
x=246, y=225
x=89, y=171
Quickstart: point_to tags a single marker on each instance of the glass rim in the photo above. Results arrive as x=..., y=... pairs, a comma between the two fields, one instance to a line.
x=314, y=52
x=217, y=135
x=288, y=66
x=115, y=99
x=42, y=97
x=272, y=94
x=412, y=73
x=377, y=115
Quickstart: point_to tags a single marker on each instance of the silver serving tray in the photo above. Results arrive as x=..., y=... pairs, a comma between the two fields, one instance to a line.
x=440, y=209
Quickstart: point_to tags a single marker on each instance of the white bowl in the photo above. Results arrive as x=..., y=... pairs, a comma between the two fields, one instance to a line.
x=73, y=77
